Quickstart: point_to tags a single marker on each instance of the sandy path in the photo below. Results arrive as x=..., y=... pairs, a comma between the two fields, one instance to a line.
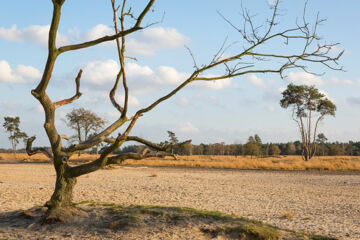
x=323, y=203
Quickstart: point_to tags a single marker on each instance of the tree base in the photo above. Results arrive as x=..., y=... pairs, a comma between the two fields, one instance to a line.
x=62, y=214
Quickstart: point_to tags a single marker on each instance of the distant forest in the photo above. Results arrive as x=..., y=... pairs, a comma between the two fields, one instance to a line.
x=254, y=147
x=259, y=149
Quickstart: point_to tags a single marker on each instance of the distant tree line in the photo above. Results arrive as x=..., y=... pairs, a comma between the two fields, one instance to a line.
x=350, y=148
x=255, y=148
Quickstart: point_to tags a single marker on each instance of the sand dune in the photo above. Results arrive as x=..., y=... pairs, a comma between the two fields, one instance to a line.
x=326, y=203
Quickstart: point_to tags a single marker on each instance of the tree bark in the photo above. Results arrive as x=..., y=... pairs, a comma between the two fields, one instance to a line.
x=14, y=147
x=63, y=193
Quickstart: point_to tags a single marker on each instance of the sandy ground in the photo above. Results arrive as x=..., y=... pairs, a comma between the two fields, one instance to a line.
x=326, y=203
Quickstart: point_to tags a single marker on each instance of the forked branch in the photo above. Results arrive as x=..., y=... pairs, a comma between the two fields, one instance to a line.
x=75, y=97
x=164, y=147
x=135, y=28
x=32, y=151
x=103, y=159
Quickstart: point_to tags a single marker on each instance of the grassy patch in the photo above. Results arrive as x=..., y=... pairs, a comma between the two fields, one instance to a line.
x=317, y=237
x=244, y=231
x=311, y=236
x=211, y=223
x=259, y=231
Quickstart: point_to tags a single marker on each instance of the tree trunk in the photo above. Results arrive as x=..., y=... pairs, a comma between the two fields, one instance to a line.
x=14, y=148
x=307, y=153
x=60, y=206
x=63, y=193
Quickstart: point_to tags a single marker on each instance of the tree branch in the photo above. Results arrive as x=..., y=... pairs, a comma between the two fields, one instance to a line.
x=32, y=151
x=163, y=148
x=96, y=139
x=135, y=28
x=75, y=97
x=122, y=157
x=97, y=41
x=121, y=54
x=173, y=92
x=102, y=160
x=113, y=91
x=98, y=163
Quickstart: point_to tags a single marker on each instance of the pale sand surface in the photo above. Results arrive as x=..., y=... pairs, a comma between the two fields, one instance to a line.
x=326, y=203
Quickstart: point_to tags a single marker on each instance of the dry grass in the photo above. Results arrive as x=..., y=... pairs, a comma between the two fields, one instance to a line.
x=23, y=157
x=288, y=215
x=334, y=163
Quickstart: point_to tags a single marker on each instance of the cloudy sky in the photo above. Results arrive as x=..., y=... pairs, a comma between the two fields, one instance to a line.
x=228, y=110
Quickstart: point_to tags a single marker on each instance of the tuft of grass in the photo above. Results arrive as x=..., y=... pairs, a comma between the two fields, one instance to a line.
x=288, y=215
x=83, y=202
x=260, y=231
x=318, y=237
x=242, y=230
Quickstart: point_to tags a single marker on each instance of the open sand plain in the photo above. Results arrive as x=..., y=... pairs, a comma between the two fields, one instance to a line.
x=326, y=203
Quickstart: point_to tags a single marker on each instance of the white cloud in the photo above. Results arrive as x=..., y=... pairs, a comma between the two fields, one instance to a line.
x=143, y=79
x=335, y=50
x=348, y=82
x=145, y=43
x=28, y=71
x=353, y=100
x=150, y=40
x=256, y=81
x=35, y=34
x=304, y=78
x=11, y=106
x=21, y=74
x=132, y=101
x=100, y=72
x=91, y=100
x=169, y=75
x=39, y=108
x=183, y=101
x=188, y=128
x=119, y=97
x=271, y=2
x=113, y=114
x=327, y=95
x=98, y=31
x=271, y=108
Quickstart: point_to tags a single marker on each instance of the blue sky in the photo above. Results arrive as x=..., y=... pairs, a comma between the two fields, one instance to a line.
x=228, y=110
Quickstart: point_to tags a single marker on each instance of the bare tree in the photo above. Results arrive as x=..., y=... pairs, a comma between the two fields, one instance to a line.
x=309, y=107
x=84, y=122
x=250, y=59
